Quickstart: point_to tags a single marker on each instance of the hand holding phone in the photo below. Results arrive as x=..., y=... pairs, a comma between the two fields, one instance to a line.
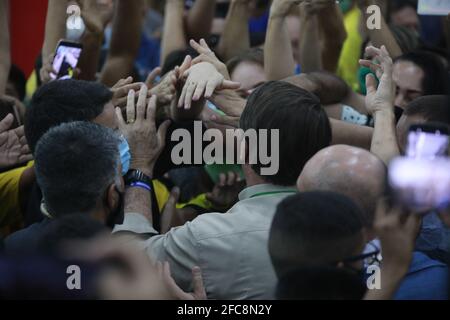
x=427, y=141
x=420, y=184
x=66, y=60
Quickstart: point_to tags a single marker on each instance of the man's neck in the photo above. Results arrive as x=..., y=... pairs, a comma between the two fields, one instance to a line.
x=251, y=177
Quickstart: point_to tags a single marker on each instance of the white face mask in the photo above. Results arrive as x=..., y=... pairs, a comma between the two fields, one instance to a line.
x=73, y=34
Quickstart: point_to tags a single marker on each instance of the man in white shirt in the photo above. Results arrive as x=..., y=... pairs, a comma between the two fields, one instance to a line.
x=231, y=249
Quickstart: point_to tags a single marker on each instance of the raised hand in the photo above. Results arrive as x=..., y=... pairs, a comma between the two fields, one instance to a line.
x=121, y=89
x=207, y=55
x=145, y=140
x=381, y=98
x=14, y=149
x=97, y=14
x=203, y=80
x=225, y=193
x=176, y=292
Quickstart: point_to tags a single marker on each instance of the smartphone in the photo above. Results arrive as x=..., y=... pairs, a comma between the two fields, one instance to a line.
x=427, y=141
x=66, y=59
x=8, y=107
x=420, y=184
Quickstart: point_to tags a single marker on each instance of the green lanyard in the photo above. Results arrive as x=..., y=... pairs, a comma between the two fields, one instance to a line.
x=262, y=194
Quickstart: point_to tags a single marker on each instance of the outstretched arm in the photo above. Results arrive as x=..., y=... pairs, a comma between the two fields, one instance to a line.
x=5, y=55
x=381, y=36
x=310, y=51
x=200, y=18
x=380, y=103
x=334, y=34
x=173, y=36
x=55, y=25
x=279, y=60
x=236, y=36
x=126, y=38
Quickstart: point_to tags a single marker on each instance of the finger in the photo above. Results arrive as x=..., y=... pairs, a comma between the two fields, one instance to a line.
x=125, y=89
x=225, y=120
x=131, y=109
x=227, y=84
x=210, y=88
x=142, y=103
x=222, y=179
x=199, y=90
x=120, y=117
x=182, y=96
x=151, y=110
x=371, y=84
x=186, y=64
x=196, y=46
x=162, y=133
x=197, y=283
x=25, y=158
x=170, y=282
x=152, y=77
x=189, y=93
x=231, y=178
x=171, y=203
x=205, y=46
x=372, y=51
x=6, y=123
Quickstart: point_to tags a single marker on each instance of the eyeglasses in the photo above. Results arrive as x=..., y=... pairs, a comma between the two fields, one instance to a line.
x=369, y=258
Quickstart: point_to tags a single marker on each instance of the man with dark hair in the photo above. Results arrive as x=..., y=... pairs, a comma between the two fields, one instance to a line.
x=78, y=170
x=316, y=229
x=231, y=248
x=65, y=101
x=418, y=74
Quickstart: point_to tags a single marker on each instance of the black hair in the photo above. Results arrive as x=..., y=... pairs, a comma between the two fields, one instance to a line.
x=314, y=229
x=75, y=165
x=63, y=101
x=434, y=108
x=435, y=75
x=304, y=127
x=176, y=58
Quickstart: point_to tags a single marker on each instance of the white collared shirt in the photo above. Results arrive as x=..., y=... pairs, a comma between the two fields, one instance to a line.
x=231, y=248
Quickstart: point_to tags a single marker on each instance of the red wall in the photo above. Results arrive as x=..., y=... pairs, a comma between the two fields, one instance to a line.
x=27, y=31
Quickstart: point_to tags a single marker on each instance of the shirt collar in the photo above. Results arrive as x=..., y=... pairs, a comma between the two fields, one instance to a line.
x=264, y=190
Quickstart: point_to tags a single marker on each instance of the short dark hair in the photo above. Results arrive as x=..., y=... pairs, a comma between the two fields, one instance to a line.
x=314, y=229
x=434, y=108
x=63, y=101
x=435, y=75
x=320, y=283
x=304, y=127
x=254, y=55
x=75, y=164
x=68, y=228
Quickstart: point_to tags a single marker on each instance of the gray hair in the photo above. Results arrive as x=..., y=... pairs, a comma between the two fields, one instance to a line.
x=75, y=164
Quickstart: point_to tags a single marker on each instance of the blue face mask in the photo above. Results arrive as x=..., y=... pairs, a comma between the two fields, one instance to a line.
x=125, y=155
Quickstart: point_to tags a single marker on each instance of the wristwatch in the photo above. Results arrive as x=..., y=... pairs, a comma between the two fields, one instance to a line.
x=136, y=178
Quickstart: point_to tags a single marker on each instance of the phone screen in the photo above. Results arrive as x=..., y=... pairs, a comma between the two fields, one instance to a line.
x=427, y=142
x=420, y=184
x=66, y=60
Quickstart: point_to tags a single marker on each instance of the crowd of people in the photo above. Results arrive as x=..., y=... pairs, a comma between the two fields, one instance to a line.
x=88, y=178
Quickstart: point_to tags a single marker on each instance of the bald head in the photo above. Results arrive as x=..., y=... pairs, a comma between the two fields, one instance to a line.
x=351, y=171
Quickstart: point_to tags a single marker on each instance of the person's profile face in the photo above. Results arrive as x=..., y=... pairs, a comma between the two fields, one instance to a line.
x=406, y=17
x=408, y=79
x=250, y=75
x=108, y=117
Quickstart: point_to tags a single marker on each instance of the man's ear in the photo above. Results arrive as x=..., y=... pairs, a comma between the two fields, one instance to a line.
x=112, y=198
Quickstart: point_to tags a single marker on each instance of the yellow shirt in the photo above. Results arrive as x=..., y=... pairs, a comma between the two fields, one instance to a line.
x=10, y=212
x=349, y=60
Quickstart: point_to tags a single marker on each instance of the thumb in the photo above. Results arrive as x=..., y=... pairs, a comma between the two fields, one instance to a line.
x=152, y=77
x=371, y=84
x=6, y=123
x=227, y=84
x=197, y=283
